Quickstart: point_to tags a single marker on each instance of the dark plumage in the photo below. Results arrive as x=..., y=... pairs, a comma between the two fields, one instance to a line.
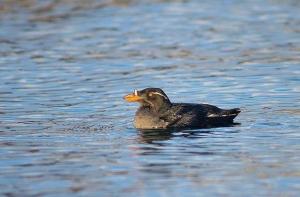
x=156, y=112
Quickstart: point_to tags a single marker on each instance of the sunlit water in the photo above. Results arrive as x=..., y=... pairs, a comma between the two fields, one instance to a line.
x=65, y=129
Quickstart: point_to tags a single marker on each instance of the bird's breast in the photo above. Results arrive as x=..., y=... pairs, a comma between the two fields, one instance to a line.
x=147, y=120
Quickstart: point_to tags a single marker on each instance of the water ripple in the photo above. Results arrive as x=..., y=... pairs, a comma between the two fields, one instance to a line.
x=65, y=66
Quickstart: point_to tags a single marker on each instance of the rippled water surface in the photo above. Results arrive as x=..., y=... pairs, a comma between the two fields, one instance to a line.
x=65, y=65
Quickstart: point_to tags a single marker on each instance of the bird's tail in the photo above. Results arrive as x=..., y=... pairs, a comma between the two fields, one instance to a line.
x=231, y=113
x=225, y=117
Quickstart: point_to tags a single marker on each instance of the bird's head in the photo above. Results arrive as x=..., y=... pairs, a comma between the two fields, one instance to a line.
x=155, y=98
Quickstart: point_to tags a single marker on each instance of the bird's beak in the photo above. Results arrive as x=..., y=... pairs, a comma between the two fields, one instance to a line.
x=133, y=97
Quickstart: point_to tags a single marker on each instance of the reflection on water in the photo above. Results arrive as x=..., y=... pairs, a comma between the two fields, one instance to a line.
x=65, y=66
x=150, y=136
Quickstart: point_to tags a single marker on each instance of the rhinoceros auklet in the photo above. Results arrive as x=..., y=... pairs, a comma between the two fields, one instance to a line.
x=157, y=112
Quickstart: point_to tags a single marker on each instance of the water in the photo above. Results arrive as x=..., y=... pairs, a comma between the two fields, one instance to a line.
x=65, y=66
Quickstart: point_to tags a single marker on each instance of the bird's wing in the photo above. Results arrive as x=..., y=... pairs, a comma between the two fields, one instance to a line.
x=172, y=116
x=170, y=119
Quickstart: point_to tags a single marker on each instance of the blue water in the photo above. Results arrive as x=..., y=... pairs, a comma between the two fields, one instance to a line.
x=65, y=66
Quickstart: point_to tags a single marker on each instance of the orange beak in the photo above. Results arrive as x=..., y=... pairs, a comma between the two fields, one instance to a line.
x=133, y=98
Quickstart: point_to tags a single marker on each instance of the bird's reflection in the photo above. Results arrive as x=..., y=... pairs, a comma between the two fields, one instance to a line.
x=149, y=135
x=155, y=135
x=163, y=155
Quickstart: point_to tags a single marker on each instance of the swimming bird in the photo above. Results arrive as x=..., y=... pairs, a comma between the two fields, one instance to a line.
x=156, y=111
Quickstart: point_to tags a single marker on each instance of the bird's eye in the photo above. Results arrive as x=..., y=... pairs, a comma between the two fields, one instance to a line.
x=150, y=94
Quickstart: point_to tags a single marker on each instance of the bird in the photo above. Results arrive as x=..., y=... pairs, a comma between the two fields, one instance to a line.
x=156, y=111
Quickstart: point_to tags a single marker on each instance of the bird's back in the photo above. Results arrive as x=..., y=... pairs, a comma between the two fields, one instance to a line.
x=201, y=115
